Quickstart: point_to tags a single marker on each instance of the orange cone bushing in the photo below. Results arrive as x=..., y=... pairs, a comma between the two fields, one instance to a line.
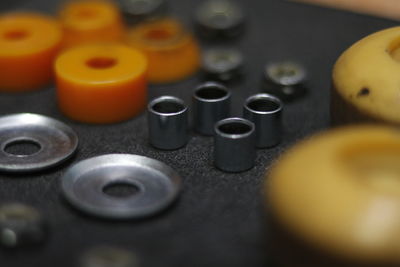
x=101, y=83
x=172, y=52
x=29, y=42
x=91, y=21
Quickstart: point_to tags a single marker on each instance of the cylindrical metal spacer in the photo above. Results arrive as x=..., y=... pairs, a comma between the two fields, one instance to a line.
x=168, y=122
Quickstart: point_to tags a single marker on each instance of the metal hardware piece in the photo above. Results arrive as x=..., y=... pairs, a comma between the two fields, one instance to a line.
x=234, y=145
x=219, y=18
x=285, y=80
x=107, y=256
x=156, y=184
x=21, y=226
x=168, y=123
x=55, y=142
x=211, y=103
x=265, y=110
x=222, y=64
x=139, y=10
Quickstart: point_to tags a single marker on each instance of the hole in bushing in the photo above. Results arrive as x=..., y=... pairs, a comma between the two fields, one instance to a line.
x=101, y=62
x=168, y=106
x=263, y=105
x=16, y=35
x=22, y=147
x=211, y=92
x=121, y=189
x=160, y=34
x=234, y=128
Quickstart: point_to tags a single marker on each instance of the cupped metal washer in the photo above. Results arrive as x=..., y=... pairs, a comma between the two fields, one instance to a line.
x=84, y=183
x=55, y=140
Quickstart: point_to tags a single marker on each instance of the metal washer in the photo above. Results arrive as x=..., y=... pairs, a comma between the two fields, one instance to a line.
x=83, y=186
x=56, y=142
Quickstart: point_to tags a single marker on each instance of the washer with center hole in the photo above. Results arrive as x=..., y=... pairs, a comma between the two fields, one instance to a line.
x=84, y=186
x=55, y=142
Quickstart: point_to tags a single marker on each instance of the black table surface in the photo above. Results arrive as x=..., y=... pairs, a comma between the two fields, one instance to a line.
x=218, y=219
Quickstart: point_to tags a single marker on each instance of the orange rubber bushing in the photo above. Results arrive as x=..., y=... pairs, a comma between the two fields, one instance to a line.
x=91, y=21
x=172, y=52
x=101, y=83
x=29, y=42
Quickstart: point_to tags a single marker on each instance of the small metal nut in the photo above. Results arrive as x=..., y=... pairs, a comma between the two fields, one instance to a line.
x=222, y=64
x=21, y=225
x=106, y=256
x=219, y=18
x=139, y=10
x=285, y=80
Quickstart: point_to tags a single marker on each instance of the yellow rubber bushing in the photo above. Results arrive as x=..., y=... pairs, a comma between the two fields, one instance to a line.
x=91, y=21
x=29, y=42
x=101, y=83
x=366, y=80
x=172, y=51
x=340, y=191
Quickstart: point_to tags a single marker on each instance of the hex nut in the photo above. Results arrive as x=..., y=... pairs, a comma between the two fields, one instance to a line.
x=139, y=10
x=219, y=18
x=285, y=80
x=21, y=225
x=222, y=64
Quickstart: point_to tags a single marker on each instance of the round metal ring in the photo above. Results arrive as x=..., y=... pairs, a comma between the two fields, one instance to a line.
x=84, y=184
x=55, y=142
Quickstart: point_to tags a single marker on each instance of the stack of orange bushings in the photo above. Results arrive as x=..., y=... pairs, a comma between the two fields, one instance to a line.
x=100, y=66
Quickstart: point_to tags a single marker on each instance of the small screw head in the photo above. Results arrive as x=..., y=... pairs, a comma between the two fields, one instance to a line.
x=20, y=225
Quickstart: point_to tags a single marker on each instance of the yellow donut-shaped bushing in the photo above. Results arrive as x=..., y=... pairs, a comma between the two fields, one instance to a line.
x=101, y=83
x=89, y=21
x=29, y=42
x=172, y=51
x=366, y=80
x=340, y=191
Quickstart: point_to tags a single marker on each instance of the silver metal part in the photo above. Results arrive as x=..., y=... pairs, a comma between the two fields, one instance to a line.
x=156, y=184
x=219, y=18
x=265, y=110
x=107, y=256
x=285, y=80
x=20, y=226
x=211, y=103
x=168, y=123
x=222, y=64
x=55, y=142
x=138, y=10
x=234, y=145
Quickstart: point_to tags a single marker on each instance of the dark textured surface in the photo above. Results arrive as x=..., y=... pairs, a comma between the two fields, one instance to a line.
x=218, y=220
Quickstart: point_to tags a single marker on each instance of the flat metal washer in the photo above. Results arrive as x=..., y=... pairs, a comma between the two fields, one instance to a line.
x=56, y=142
x=84, y=183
